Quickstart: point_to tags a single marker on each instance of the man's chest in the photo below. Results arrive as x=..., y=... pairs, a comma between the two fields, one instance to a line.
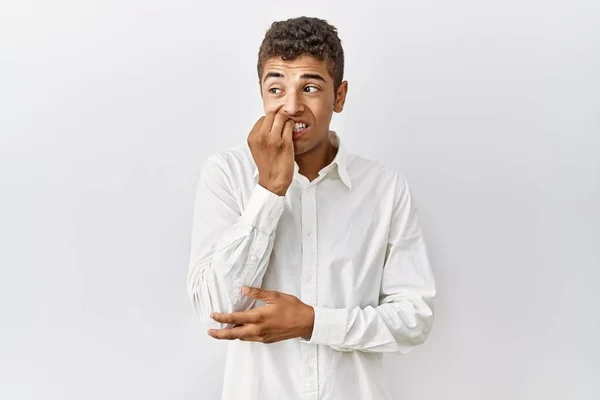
x=330, y=245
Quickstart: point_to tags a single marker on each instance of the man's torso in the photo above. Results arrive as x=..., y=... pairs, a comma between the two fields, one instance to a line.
x=330, y=248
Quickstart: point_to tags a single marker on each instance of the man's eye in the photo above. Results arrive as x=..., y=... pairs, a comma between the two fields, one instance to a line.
x=275, y=90
x=311, y=89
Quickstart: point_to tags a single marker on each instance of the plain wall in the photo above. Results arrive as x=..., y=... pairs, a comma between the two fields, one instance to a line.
x=108, y=109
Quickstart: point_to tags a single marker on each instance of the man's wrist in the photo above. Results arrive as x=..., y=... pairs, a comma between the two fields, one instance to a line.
x=308, y=323
x=279, y=190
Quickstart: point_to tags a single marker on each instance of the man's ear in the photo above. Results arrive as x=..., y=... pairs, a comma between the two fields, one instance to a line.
x=340, y=97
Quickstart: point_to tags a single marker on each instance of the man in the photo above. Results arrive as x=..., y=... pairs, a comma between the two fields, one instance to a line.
x=310, y=259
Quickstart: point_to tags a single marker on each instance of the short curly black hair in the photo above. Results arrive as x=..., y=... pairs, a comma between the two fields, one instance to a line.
x=300, y=36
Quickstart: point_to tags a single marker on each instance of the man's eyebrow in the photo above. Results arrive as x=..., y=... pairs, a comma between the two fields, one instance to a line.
x=313, y=76
x=272, y=75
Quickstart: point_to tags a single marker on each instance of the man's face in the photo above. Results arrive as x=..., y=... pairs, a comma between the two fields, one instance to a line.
x=303, y=90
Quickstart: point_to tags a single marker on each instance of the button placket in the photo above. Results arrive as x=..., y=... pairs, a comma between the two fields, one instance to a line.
x=309, y=287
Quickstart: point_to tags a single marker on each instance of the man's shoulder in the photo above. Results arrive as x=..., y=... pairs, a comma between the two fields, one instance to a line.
x=377, y=177
x=237, y=157
x=233, y=165
x=365, y=167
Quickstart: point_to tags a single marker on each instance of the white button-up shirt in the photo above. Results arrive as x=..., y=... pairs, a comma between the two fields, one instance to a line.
x=349, y=243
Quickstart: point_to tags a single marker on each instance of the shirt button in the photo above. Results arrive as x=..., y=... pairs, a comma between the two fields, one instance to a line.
x=307, y=278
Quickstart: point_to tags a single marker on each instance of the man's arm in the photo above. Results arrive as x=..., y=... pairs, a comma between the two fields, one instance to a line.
x=404, y=316
x=231, y=247
x=399, y=323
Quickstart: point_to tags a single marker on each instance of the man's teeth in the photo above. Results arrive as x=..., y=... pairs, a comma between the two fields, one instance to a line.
x=299, y=126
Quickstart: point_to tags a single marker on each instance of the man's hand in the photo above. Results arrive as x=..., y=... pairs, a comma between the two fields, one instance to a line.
x=272, y=148
x=284, y=317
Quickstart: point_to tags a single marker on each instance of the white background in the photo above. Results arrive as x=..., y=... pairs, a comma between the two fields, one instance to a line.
x=108, y=109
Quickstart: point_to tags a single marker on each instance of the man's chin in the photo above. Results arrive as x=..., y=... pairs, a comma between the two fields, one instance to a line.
x=300, y=148
x=304, y=146
x=298, y=151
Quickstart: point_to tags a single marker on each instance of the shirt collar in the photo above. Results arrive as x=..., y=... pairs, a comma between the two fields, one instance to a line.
x=340, y=161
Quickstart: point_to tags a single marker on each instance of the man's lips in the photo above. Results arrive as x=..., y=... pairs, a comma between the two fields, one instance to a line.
x=299, y=133
x=300, y=128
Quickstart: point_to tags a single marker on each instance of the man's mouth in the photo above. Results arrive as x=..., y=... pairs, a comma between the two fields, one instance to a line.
x=299, y=127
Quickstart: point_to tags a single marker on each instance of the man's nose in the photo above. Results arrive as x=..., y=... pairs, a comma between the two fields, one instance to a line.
x=292, y=104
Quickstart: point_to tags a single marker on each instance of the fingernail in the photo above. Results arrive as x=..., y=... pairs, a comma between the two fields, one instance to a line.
x=245, y=290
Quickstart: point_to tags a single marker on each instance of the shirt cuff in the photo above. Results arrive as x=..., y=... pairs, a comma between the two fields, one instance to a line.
x=329, y=327
x=263, y=210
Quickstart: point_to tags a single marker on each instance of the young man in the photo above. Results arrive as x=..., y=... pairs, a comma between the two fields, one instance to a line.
x=310, y=259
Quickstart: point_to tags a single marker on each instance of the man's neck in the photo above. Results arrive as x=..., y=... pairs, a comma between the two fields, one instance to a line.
x=310, y=163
